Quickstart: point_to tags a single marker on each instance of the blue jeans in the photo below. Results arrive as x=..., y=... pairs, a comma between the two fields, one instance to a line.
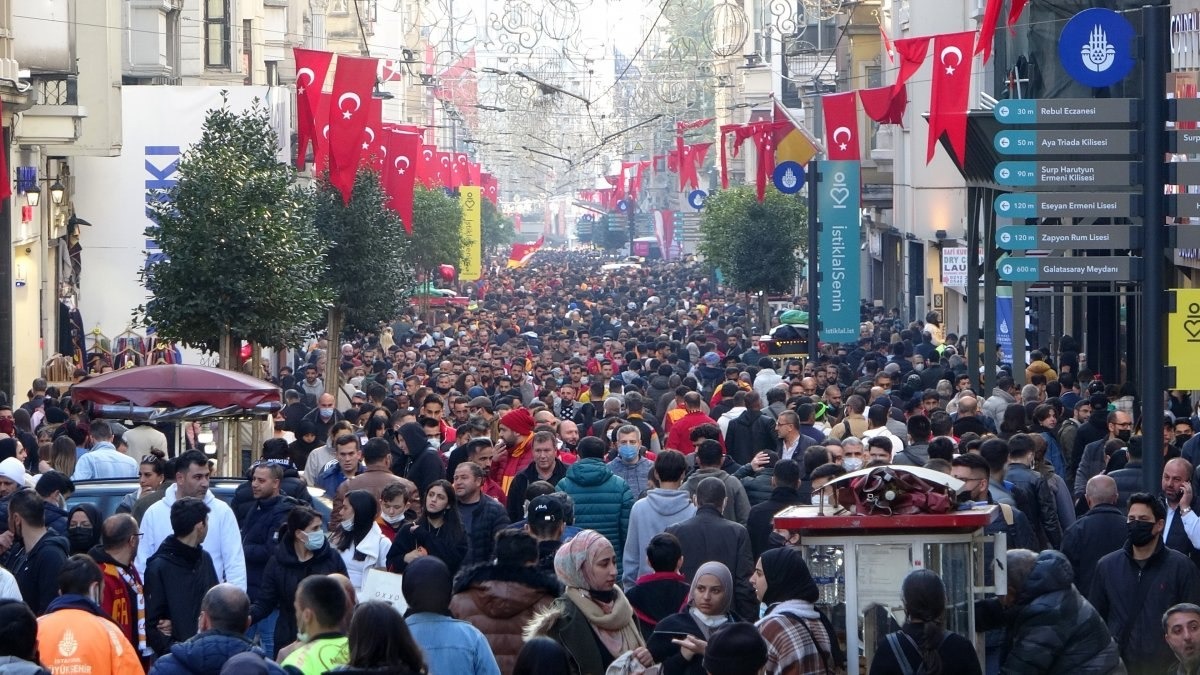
x=264, y=628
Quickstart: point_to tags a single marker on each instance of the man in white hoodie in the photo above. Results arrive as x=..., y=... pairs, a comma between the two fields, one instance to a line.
x=877, y=426
x=224, y=540
x=662, y=507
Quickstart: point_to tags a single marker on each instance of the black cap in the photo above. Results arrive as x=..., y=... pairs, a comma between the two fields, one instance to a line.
x=545, y=509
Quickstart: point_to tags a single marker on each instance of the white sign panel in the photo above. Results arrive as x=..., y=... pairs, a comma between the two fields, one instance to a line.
x=954, y=266
x=158, y=126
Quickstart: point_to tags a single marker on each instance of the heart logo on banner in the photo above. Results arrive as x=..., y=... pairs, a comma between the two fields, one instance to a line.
x=1192, y=326
x=839, y=194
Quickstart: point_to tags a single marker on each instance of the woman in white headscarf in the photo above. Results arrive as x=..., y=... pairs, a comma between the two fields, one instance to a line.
x=591, y=619
x=679, y=640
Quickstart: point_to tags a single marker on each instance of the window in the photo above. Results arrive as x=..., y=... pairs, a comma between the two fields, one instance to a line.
x=248, y=52
x=216, y=33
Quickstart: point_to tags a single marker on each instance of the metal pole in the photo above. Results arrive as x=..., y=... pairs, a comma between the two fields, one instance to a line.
x=814, y=227
x=1155, y=24
x=975, y=200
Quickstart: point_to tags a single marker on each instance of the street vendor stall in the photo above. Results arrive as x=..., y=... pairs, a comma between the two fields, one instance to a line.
x=860, y=559
x=184, y=394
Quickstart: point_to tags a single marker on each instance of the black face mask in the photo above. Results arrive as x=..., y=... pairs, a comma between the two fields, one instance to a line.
x=1180, y=439
x=1124, y=435
x=1140, y=532
x=80, y=539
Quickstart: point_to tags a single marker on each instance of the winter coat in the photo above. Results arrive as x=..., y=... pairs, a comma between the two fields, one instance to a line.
x=748, y=434
x=737, y=504
x=57, y=519
x=282, y=576
x=995, y=405
x=490, y=518
x=520, y=483
x=602, y=500
x=761, y=522
x=11, y=665
x=1097, y=533
x=499, y=600
x=1056, y=630
x=37, y=572
x=757, y=484
x=659, y=386
x=260, y=532
x=1037, y=503
x=291, y=485
x=709, y=537
x=223, y=543
x=447, y=546
x=206, y=654
x=1169, y=577
x=668, y=653
x=656, y=596
x=371, y=480
x=565, y=624
x=1129, y=480
x=177, y=577
x=636, y=476
x=650, y=516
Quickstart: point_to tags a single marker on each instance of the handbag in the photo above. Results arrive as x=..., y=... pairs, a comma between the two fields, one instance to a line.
x=891, y=491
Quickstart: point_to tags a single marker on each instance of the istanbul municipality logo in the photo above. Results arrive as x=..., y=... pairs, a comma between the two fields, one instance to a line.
x=1096, y=47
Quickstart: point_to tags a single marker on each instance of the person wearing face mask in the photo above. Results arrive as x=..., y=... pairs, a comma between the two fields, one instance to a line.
x=1133, y=587
x=83, y=528
x=786, y=483
x=75, y=618
x=358, y=539
x=630, y=463
x=1091, y=456
x=53, y=488
x=679, y=641
x=302, y=551
x=377, y=458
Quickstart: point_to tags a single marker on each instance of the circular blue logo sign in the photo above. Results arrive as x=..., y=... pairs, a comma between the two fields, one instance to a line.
x=696, y=199
x=587, y=218
x=623, y=205
x=1096, y=47
x=788, y=177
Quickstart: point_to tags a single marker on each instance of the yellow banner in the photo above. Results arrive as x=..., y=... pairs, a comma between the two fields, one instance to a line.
x=472, y=232
x=1183, y=338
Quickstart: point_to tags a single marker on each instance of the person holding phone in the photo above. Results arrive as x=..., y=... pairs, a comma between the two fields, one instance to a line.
x=679, y=640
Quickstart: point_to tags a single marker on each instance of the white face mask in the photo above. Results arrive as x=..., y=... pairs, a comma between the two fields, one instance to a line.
x=392, y=520
x=347, y=525
x=314, y=540
x=852, y=463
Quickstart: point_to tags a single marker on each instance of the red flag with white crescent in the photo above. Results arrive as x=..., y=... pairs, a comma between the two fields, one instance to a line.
x=841, y=126
x=490, y=187
x=374, y=145
x=427, y=167
x=445, y=162
x=912, y=52
x=311, y=68
x=950, y=93
x=321, y=139
x=400, y=174
x=885, y=105
x=348, y=115
x=460, y=172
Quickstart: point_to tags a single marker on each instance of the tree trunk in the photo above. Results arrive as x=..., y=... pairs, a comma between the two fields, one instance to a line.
x=333, y=374
x=764, y=313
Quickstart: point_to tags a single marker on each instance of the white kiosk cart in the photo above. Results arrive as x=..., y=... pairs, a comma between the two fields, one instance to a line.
x=859, y=563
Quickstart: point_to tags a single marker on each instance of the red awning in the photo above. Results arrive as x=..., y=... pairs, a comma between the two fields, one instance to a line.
x=176, y=387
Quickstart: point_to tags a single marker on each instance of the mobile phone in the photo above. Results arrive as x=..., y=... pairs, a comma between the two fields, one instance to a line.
x=673, y=635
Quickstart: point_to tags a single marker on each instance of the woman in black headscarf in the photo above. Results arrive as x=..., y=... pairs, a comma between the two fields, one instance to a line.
x=83, y=527
x=307, y=439
x=798, y=639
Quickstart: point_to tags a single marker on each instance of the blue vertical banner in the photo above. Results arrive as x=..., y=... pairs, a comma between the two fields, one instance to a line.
x=839, y=195
x=1004, y=328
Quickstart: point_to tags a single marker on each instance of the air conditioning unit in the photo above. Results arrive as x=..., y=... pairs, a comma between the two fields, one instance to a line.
x=9, y=70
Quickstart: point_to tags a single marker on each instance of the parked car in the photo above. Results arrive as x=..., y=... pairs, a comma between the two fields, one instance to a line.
x=107, y=493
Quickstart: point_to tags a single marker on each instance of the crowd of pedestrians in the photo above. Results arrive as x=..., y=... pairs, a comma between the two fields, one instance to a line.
x=579, y=473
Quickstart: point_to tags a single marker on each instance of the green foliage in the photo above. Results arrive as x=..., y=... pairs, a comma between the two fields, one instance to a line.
x=759, y=247
x=498, y=230
x=437, y=231
x=367, y=247
x=239, y=249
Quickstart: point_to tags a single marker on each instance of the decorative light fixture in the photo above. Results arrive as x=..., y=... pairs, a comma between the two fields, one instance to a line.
x=57, y=192
x=33, y=196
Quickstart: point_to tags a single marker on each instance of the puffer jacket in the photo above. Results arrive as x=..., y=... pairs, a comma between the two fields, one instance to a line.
x=602, y=500
x=750, y=433
x=1055, y=629
x=260, y=532
x=757, y=483
x=291, y=485
x=205, y=654
x=499, y=600
x=565, y=624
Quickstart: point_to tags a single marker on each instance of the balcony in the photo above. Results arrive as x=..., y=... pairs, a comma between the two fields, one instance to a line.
x=56, y=117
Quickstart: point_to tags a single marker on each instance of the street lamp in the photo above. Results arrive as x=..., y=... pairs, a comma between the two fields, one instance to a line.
x=57, y=192
x=33, y=196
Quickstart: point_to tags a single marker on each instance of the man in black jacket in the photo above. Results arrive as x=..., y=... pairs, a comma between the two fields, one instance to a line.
x=760, y=524
x=1134, y=586
x=36, y=568
x=177, y=577
x=1032, y=492
x=259, y=530
x=482, y=517
x=708, y=536
x=545, y=466
x=424, y=463
x=1097, y=533
x=1129, y=477
x=751, y=432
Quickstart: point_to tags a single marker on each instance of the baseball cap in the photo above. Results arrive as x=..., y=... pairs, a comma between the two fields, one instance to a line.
x=545, y=509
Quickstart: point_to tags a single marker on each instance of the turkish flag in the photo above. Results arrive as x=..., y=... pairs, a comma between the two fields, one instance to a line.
x=474, y=173
x=460, y=171
x=949, y=94
x=987, y=29
x=888, y=47
x=490, y=189
x=1014, y=12
x=764, y=142
x=400, y=174
x=885, y=105
x=321, y=139
x=390, y=70
x=841, y=126
x=912, y=53
x=689, y=165
x=311, y=68
x=618, y=183
x=349, y=114
x=445, y=161
x=427, y=167
x=374, y=145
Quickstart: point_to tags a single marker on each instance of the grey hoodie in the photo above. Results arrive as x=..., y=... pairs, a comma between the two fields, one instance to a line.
x=651, y=515
x=14, y=666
